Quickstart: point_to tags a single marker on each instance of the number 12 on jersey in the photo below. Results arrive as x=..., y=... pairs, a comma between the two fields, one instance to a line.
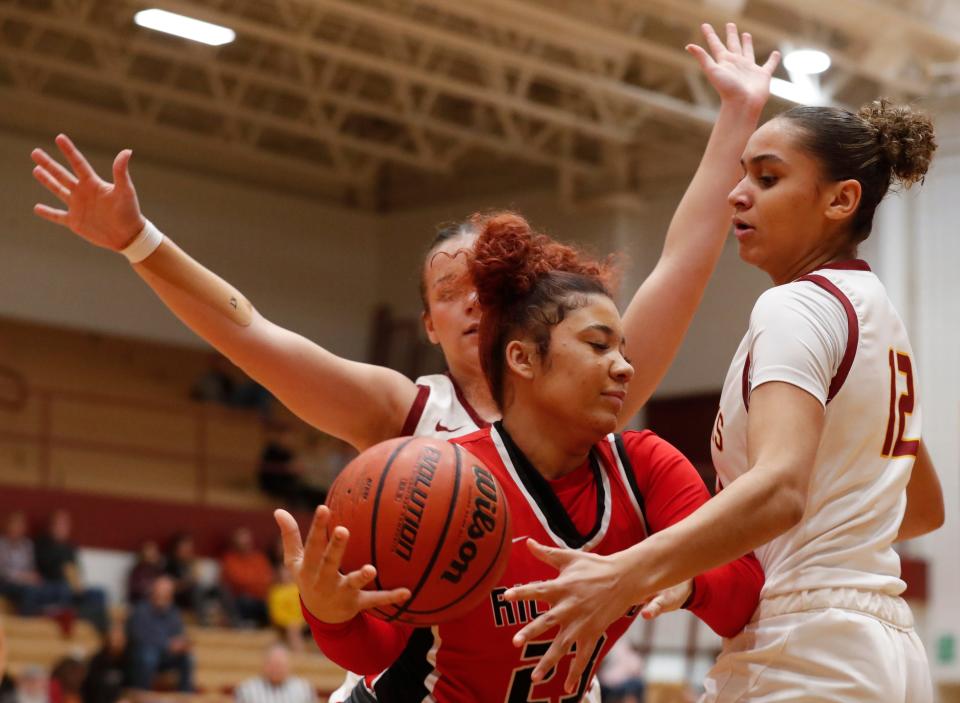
x=901, y=406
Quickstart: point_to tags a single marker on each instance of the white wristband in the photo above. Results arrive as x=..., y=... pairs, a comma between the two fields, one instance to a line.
x=144, y=244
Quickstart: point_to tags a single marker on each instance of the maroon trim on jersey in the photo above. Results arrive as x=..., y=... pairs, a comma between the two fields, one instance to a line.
x=478, y=421
x=416, y=411
x=853, y=331
x=745, y=384
x=848, y=265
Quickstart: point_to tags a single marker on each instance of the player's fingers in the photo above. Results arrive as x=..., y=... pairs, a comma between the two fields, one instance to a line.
x=733, y=39
x=771, y=65
x=746, y=41
x=702, y=57
x=653, y=608
x=290, y=536
x=333, y=554
x=78, y=161
x=558, y=649
x=557, y=558
x=538, y=590
x=713, y=41
x=380, y=599
x=581, y=659
x=58, y=217
x=536, y=627
x=361, y=577
x=316, y=544
x=42, y=158
x=121, y=170
x=52, y=184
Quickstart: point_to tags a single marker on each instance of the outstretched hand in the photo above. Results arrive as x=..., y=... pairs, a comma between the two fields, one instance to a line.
x=105, y=214
x=583, y=599
x=330, y=596
x=732, y=69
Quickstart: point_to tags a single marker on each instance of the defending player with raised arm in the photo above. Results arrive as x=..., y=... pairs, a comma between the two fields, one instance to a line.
x=817, y=441
x=364, y=404
x=552, y=350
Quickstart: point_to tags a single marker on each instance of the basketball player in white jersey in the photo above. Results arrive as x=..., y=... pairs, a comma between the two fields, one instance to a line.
x=817, y=441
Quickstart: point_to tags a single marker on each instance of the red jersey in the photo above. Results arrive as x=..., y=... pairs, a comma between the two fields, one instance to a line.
x=631, y=485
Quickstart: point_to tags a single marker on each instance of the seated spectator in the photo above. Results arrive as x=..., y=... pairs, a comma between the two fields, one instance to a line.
x=283, y=606
x=149, y=566
x=275, y=684
x=108, y=670
x=56, y=558
x=246, y=577
x=66, y=678
x=216, y=384
x=279, y=474
x=33, y=685
x=19, y=579
x=156, y=639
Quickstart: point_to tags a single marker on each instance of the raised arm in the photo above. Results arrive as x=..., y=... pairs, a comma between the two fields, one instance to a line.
x=660, y=312
x=360, y=403
x=925, y=512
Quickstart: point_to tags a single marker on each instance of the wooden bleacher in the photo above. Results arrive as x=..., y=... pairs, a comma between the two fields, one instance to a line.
x=224, y=657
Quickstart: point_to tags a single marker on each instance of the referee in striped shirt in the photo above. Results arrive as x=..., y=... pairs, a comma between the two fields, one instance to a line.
x=276, y=685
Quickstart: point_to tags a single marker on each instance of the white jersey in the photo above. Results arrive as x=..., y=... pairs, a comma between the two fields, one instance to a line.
x=441, y=410
x=835, y=334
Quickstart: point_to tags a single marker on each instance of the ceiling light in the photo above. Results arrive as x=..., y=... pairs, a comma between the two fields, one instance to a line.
x=804, y=94
x=806, y=61
x=186, y=27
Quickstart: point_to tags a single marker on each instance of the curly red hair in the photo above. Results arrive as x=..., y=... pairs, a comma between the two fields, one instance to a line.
x=526, y=284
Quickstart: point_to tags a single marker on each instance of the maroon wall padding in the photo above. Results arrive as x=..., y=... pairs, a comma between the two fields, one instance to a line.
x=112, y=522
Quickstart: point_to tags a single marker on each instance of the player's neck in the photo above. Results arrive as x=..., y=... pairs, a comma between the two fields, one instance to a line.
x=476, y=391
x=552, y=449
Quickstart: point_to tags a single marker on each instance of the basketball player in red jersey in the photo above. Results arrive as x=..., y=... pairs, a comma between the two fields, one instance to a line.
x=552, y=350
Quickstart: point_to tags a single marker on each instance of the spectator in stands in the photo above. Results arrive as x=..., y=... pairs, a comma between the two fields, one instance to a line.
x=3, y=657
x=149, y=566
x=223, y=383
x=182, y=566
x=33, y=685
x=275, y=684
x=246, y=577
x=157, y=641
x=56, y=558
x=66, y=678
x=19, y=579
x=283, y=606
x=216, y=384
x=107, y=674
x=280, y=474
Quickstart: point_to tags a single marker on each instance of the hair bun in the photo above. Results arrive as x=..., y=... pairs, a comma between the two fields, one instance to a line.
x=906, y=138
x=509, y=257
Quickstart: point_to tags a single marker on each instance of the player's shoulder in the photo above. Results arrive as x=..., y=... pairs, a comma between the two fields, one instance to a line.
x=803, y=301
x=646, y=445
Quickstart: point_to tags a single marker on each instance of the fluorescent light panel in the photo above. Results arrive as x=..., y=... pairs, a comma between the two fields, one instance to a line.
x=806, y=61
x=186, y=27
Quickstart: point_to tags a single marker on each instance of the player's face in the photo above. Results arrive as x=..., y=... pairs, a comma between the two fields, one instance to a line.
x=585, y=375
x=780, y=202
x=454, y=315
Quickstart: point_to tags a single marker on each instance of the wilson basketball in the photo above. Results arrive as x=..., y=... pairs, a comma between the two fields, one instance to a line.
x=430, y=517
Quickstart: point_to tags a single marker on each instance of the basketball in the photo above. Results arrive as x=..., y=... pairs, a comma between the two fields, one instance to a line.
x=430, y=517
